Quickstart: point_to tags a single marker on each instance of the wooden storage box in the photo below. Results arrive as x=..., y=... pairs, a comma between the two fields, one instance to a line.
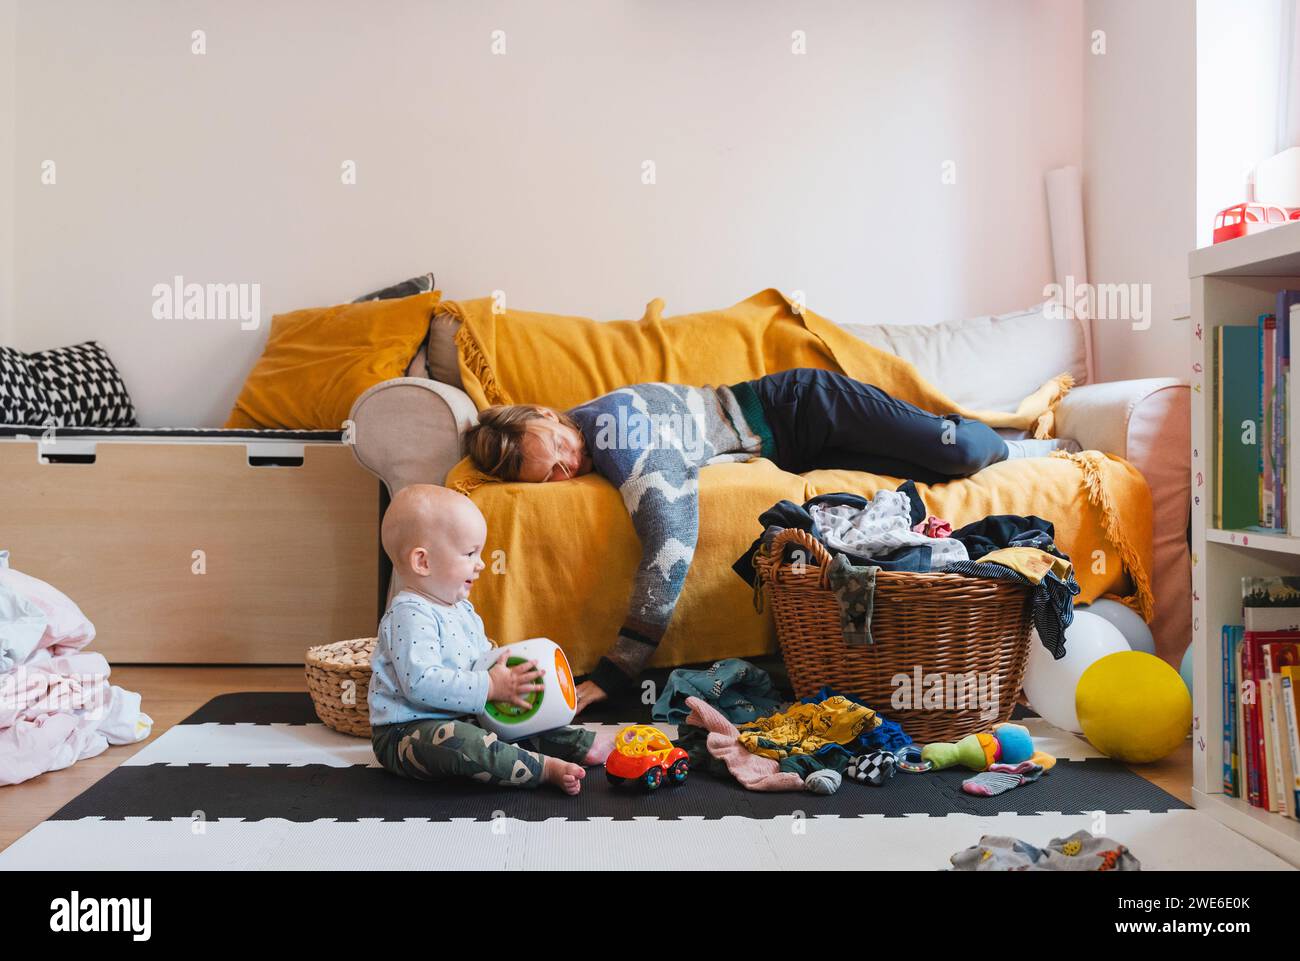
x=218, y=548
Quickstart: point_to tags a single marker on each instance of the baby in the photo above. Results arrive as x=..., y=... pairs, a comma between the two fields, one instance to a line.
x=424, y=690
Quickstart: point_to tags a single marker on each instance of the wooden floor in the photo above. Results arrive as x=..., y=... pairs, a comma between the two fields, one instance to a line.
x=173, y=693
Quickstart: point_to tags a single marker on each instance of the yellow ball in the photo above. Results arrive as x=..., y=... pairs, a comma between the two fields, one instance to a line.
x=1133, y=707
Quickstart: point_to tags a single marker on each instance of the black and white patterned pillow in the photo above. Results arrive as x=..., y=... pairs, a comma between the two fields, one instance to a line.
x=407, y=288
x=83, y=387
x=24, y=400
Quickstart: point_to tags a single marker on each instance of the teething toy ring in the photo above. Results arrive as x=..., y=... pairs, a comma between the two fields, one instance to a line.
x=910, y=760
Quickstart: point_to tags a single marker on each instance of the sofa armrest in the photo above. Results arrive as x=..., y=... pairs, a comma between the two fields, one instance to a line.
x=409, y=430
x=1102, y=416
x=1148, y=422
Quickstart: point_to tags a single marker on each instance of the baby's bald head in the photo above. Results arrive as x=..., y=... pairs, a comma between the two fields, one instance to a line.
x=433, y=536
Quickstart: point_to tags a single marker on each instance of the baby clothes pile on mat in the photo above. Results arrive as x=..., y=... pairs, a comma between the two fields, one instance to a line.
x=731, y=723
x=56, y=705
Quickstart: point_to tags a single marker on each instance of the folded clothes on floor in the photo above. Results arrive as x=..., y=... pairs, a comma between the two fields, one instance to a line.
x=1081, y=851
x=56, y=703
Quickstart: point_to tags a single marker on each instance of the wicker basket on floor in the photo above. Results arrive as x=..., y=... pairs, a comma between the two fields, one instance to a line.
x=338, y=677
x=945, y=624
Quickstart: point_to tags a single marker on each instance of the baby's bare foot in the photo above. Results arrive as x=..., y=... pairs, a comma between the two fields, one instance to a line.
x=567, y=777
x=600, y=748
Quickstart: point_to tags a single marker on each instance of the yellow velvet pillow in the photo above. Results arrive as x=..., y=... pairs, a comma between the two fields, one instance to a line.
x=318, y=361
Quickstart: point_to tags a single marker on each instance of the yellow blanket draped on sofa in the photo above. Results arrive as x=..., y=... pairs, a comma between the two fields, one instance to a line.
x=520, y=357
x=561, y=556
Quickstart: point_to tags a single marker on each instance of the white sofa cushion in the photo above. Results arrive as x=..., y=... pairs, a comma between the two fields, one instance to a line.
x=987, y=363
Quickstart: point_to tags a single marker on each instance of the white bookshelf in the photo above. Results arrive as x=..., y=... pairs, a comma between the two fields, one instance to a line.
x=1231, y=283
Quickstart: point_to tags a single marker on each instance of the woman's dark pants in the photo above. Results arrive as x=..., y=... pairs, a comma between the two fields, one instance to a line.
x=822, y=419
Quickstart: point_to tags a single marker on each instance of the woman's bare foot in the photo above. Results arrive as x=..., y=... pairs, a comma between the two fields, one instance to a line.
x=567, y=777
x=600, y=748
x=589, y=694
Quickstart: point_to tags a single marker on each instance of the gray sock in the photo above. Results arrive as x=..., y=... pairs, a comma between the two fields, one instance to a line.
x=1039, y=448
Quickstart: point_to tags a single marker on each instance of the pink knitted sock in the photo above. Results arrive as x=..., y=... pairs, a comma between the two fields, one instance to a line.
x=753, y=772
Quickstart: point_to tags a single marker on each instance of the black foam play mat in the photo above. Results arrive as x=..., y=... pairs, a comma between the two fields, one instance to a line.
x=254, y=756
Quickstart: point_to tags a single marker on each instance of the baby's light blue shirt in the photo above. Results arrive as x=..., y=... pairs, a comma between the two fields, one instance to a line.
x=423, y=665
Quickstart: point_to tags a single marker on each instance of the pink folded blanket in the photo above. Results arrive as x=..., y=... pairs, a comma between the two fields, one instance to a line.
x=55, y=711
x=723, y=741
x=56, y=703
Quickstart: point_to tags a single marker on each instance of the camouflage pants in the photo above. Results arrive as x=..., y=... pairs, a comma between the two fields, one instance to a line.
x=435, y=749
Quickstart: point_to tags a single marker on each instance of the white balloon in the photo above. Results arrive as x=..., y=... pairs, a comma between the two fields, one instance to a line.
x=1128, y=621
x=1050, y=684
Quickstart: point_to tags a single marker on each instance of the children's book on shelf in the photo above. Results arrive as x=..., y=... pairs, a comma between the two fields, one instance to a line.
x=1239, y=732
x=1277, y=655
x=1271, y=619
x=1267, y=425
x=1286, y=299
x=1231, y=638
x=1236, y=362
x=1288, y=314
x=1252, y=412
x=1291, y=714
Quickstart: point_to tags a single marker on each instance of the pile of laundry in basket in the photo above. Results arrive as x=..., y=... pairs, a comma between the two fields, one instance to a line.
x=892, y=531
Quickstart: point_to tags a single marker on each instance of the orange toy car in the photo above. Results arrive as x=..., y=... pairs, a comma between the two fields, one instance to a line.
x=644, y=755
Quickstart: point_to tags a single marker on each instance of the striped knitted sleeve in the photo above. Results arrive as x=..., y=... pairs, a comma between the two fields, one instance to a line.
x=664, y=507
x=658, y=479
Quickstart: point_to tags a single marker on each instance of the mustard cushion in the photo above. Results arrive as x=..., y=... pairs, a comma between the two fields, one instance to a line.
x=318, y=361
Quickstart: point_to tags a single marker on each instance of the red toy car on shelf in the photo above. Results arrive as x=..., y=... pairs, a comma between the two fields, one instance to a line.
x=644, y=755
x=1250, y=218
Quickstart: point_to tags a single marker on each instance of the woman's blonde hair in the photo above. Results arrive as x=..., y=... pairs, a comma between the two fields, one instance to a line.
x=495, y=443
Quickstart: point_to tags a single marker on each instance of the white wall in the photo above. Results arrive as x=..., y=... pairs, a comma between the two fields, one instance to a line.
x=1236, y=101
x=1140, y=176
x=522, y=172
x=8, y=12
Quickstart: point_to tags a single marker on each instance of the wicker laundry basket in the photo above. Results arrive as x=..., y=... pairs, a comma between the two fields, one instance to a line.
x=945, y=624
x=338, y=677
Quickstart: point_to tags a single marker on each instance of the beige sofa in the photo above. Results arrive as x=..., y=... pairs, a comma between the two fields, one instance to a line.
x=409, y=430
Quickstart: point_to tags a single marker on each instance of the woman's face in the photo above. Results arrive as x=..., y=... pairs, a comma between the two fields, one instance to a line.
x=552, y=451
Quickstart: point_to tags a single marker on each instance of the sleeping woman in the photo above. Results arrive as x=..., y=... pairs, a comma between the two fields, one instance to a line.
x=650, y=441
